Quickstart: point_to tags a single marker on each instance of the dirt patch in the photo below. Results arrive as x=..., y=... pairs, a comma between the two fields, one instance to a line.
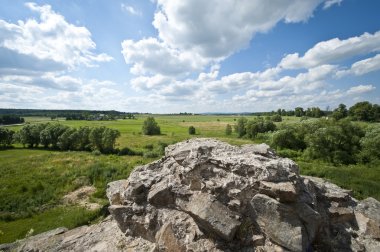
x=81, y=197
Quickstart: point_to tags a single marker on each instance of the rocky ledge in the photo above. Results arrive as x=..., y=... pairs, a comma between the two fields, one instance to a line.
x=206, y=195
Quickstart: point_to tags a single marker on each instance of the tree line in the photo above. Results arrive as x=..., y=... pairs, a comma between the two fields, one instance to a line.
x=361, y=111
x=60, y=137
x=10, y=119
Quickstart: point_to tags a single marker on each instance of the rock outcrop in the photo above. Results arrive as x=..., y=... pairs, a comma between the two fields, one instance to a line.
x=206, y=195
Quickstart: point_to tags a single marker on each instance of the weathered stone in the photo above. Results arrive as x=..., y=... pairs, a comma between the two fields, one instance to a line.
x=167, y=241
x=258, y=240
x=284, y=191
x=105, y=236
x=280, y=223
x=367, y=215
x=212, y=215
x=160, y=194
x=115, y=191
x=340, y=214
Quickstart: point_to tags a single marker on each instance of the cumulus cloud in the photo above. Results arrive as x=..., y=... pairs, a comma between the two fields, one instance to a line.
x=149, y=83
x=51, y=39
x=147, y=56
x=195, y=34
x=216, y=30
x=360, y=89
x=362, y=67
x=38, y=58
x=333, y=51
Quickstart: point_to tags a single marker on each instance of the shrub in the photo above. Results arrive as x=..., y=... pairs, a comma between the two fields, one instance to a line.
x=129, y=152
x=276, y=118
x=151, y=127
x=191, y=130
x=148, y=146
x=240, y=127
x=370, y=145
x=228, y=130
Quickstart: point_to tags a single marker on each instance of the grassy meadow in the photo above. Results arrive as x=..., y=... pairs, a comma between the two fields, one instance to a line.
x=33, y=181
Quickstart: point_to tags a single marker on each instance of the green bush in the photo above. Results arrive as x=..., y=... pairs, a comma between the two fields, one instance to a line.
x=151, y=127
x=129, y=152
x=370, y=145
x=191, y=130
x=228, y=130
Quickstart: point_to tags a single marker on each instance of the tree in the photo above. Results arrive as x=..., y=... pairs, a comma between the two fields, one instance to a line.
x=228, y=130
x=340, y=112
x=288, y=139
x=337, y=142
x=276, y=118
x=6, y=137
x=96, y=138
x=299, y=112
x=151, y=127
x=191, y=130
x=68, y=140
x=30, y=134
x=370, y=145
x=361, y=111
x=240, y=127
x=109, y=139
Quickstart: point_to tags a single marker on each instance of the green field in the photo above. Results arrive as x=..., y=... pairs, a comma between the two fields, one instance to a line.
x=33, y=181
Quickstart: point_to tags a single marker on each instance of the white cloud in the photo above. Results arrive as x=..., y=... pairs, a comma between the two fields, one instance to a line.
x=51, y=38
x=333, y=51
x=216, y=30
x=194, y=34
x=148, y=83
x=330, y=3
x=129, y=9
x=362, y=67
x=360, y=89
x=154, y=57
x=37, y=58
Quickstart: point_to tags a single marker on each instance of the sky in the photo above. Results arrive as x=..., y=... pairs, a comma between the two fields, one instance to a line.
x=166, y=56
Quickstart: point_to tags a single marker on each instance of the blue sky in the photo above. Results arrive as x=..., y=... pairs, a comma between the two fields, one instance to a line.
x=164, y=56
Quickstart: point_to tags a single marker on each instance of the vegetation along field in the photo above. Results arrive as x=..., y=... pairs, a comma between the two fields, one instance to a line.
x=44, y=159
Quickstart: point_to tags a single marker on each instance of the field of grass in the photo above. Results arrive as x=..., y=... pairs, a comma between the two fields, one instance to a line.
x=33, y=181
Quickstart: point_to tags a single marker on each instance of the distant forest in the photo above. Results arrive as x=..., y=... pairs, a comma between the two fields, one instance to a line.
x=10, y=115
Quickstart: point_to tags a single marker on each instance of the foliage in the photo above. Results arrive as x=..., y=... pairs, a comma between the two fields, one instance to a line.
x=10, y=119
x=129, y=152
x=228, y=129
x=335, y=142
x=6, y=137
x=151, y=127
x=370, y=145
x=276, y=118
x=340, y=112
x=191, y=130
x=365, y=111
x=62, y=137
x=299, y=112
x=288, y=138
x=241, y=125
x=314, y=112
x=259, y=125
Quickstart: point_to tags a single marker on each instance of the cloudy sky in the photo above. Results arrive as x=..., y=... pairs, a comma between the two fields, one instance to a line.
x=166, y=56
